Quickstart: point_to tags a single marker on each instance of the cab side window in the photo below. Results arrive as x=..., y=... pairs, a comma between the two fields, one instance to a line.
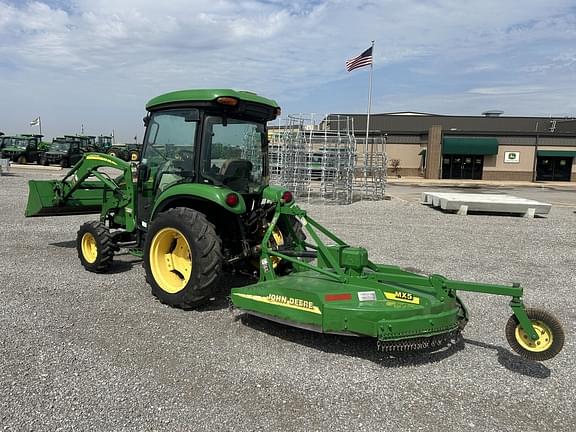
x=169, y=147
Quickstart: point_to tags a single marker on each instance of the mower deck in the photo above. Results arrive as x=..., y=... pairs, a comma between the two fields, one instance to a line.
x=361, y=307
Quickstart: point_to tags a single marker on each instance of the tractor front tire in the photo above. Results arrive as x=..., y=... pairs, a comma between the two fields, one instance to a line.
x=64, y=163
x=21, y=160
x=183, y=258
x=550, y=332
x=95, y=247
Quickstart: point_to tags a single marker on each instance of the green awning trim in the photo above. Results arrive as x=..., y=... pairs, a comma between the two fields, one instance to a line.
x=556, y=153
x=470, y=146
x=422, y=153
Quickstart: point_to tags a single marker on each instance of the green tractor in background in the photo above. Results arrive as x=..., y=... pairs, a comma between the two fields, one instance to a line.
x=23, y=148
x=199, y=205
x=126, y=152
x=91, y=143
x=61, y=151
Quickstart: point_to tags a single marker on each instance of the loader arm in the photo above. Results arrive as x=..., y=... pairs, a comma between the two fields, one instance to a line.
x=86, y=190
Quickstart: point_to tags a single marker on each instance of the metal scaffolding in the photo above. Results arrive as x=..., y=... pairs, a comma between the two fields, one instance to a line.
x=371, y=168
x=326, y=161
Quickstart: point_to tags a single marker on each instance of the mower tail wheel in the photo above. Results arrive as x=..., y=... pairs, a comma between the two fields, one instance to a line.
x=549, y=329
x=95, y=247
x=183, y=258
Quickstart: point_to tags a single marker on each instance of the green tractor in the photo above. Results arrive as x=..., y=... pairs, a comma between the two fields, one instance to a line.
x=126, y=152
x=62, y=152
x=199, y=205
x=22, y=148
x=91, y=143
x=103, y=143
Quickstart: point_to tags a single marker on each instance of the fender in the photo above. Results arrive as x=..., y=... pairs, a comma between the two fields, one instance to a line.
x=215, y=194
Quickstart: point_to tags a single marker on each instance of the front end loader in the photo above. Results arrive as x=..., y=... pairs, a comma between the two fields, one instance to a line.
x=199, y=205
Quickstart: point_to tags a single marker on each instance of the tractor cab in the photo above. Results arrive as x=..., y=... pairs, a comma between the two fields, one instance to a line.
x=103, y=143
x=87, y=142
x=214, y=138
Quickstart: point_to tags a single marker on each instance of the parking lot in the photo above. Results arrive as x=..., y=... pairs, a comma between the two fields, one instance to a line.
x=84, y=351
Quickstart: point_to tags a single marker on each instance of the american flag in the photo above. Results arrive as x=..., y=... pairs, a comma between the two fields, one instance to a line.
x=364, y=59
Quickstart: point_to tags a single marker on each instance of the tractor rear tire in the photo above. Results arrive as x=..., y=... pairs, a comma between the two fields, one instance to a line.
x=183, y=258
x=95, y=247
x=549, y=329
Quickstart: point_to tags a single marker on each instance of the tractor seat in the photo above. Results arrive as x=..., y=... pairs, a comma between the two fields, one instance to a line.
x=236, y=168
x=236, y=173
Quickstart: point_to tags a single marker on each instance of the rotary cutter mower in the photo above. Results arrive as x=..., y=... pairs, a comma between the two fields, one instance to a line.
x=344, y=293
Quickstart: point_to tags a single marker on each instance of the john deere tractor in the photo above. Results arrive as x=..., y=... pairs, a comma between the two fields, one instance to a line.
x=199, y=205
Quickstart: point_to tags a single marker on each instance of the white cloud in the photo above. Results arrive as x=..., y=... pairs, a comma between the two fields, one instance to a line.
x=506, y=90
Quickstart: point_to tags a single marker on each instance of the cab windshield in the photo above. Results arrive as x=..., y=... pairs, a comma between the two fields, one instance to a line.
x=59, y=146
x=20, y=143
x=232, y=154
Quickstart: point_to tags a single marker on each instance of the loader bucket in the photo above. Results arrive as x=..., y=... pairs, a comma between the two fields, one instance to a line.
x=42, y=199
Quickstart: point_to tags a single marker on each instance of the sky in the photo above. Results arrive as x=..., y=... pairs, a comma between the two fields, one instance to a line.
x=97, y=62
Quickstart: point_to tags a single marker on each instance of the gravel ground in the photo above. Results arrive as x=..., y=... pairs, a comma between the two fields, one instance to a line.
x=80, y=351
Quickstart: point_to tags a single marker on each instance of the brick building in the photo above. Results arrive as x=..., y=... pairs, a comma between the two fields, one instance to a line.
x=489, y=147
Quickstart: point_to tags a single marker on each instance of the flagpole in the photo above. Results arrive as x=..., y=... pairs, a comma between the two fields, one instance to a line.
x=40, y=124
x=369, y=104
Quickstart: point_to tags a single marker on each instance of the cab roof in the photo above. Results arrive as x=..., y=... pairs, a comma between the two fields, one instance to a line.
x=207, y=95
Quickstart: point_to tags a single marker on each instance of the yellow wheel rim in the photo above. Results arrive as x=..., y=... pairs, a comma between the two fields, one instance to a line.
x=112, y=154
x=278, y=241
x=89, y=248
x=543, y=343
x=134, y=156
x=170, y=260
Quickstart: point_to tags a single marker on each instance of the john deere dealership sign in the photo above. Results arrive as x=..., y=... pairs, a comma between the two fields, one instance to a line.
x=512, y=157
